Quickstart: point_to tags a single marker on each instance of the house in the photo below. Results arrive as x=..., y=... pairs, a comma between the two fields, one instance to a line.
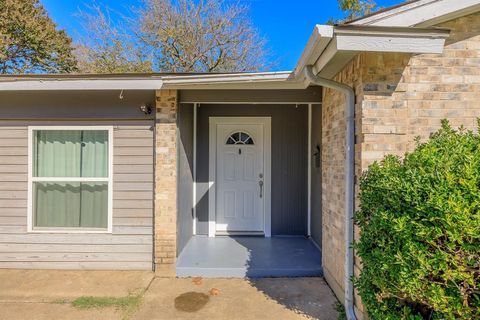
x=140, y=171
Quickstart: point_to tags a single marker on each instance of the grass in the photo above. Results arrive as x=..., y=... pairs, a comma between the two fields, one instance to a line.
x=127, y=304
x=60, y=301
x=342, y=315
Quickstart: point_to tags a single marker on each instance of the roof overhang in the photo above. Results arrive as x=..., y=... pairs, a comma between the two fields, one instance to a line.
x=265, y=80
x=26, y=84
x=421, y=13
x=330, y=48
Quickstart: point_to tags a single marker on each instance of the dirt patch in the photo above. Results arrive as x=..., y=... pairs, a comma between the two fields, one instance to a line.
x=191, y=301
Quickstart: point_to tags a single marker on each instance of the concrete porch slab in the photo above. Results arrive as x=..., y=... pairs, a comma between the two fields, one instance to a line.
x=252, y=257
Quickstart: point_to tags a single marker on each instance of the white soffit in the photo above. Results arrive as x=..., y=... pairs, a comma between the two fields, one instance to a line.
x=330, y=53
x=24, y=84
x=421, y=13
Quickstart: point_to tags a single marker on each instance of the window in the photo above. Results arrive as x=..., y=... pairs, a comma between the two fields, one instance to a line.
x=70, y=174
x=240, y=138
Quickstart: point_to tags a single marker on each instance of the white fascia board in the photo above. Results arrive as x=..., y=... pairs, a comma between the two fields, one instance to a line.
x=318, y=41
x=423, y=13
x=272, y=85
x=350, y=40
x=266, y=80
x=79, y=84
x=225, y=78
x=378, y=39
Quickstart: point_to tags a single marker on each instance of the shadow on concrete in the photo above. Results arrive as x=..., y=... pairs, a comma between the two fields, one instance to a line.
x=307, y=296
x=251, y=257
x=280, y=257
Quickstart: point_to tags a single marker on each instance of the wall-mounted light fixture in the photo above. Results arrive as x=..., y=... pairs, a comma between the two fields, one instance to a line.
x=146, y=109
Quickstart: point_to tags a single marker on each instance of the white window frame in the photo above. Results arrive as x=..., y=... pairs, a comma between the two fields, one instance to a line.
x=31, y=180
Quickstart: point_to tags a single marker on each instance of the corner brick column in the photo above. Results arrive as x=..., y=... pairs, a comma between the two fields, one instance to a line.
x=165, y=245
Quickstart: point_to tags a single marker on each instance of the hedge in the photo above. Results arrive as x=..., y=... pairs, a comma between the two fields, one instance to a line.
x=419, y=220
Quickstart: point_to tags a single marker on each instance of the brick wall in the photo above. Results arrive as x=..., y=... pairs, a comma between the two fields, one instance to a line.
x=410, y=95
x=399, y=97
x=333, y=176
x=165, y=182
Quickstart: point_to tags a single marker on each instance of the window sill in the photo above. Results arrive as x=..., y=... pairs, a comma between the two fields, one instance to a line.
x=69, y=230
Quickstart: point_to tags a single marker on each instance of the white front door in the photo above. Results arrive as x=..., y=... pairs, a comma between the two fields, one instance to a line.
x=240, y=175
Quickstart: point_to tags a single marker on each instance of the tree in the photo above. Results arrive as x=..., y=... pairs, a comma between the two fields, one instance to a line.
x=30, y=41
x=107, y=47
x=206, y=36
x=354, y=9
x=173, y=36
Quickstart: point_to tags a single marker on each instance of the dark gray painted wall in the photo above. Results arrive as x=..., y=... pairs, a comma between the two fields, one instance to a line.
x=185, y=176
x=74, y=104
x=316, y=200
x=289, y=163
x=309, y=95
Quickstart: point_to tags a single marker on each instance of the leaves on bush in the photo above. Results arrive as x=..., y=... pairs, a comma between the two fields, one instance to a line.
x=420, y=231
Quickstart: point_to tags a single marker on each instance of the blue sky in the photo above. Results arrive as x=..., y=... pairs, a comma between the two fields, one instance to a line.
x=286, y=24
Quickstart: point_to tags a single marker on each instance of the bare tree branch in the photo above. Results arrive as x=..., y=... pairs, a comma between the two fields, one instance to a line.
x=107, y=47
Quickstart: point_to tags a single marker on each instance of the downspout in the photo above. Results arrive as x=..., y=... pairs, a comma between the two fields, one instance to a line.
x=349, y=180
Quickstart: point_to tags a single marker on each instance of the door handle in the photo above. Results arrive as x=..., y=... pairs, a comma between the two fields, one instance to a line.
x=260, y=183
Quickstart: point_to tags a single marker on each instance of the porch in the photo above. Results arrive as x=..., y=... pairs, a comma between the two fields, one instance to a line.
x=249, y=199
x=252, y=257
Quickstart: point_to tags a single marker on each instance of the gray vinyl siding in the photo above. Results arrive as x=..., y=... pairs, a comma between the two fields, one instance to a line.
x=289, y=162
x=130, y=245
x=185, y=176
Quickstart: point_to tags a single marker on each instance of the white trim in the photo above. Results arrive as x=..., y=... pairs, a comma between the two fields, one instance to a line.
x=380, y=39
x=318, y=41
x=421, y=13
x=22, y=84
x=267, y=136
x=309, y=193
x=254, y=102
x=213, y=78
x=255, y=80
x=315, y=244
x=194, y=173
x=32, y=179
x=212, y=155
x=261, y=80
x=337, y=48
x=249, y=85
x=69, y=179
x=212, y=162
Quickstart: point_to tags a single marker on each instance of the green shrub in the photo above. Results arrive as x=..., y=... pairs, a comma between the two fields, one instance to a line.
x=420, y=231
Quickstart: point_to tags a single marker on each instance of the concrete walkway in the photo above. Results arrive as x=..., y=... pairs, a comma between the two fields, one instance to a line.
x=42, y=294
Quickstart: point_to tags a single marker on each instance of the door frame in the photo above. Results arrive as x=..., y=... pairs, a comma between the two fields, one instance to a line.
x=212, y=168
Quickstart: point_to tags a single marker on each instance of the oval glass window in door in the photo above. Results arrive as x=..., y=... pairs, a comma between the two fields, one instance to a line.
x=240, y=138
